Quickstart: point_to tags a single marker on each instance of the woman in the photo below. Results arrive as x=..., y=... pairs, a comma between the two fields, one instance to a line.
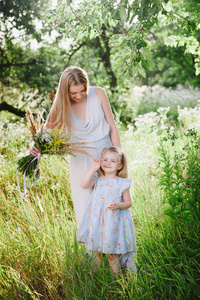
x=85, y=111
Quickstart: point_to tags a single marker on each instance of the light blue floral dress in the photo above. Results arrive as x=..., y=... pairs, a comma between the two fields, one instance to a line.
x=105, y=230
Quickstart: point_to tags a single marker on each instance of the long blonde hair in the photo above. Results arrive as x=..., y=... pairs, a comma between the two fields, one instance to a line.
x=61, y=112
x=123, y=172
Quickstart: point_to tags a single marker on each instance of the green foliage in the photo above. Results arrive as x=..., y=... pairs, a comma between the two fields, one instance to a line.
x=18, y=62
x=180, y=178
x=21, y=14
x=127, y=26
x=174, y=42
x=24, y=164
x=40, y=69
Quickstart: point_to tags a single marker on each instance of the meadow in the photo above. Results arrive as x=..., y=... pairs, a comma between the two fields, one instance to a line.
x=163, y=147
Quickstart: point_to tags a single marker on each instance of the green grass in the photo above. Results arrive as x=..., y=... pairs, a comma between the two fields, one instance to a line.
x=52, y=265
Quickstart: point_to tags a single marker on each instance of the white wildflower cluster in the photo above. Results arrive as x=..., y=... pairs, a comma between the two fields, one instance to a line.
x=12, y=130
x=146, y=121
x=143, y=156
x=163, y=111
x=189, y=117
x=146, y=98
x=129, y=132
x=45, y=137
x=13, y=134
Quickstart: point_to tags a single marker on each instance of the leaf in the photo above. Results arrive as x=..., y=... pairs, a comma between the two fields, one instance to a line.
x=80, y=35
x=104, y=14
x=141, y=70
x=171, y=41
x=112, y=22
x=151, y=65
x=93, y=34
x=145, y=64
x=160, y=66
x=197, y=67
x=130, y=71
x=123, y=14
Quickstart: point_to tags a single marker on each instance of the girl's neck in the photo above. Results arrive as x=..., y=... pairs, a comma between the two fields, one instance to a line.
x=111, y=176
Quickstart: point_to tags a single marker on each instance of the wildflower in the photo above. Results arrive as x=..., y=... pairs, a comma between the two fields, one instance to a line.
x=48, y=141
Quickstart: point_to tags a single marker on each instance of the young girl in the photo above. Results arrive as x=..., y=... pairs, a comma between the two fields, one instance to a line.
x=107, y=225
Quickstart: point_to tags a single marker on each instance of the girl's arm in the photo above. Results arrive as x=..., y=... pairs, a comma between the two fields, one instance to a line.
x=88, y=181
x=114, y=133
x=122, y=205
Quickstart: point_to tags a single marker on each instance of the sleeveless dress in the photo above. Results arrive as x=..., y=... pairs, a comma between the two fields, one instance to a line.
x=109, y=231
x=96, y=132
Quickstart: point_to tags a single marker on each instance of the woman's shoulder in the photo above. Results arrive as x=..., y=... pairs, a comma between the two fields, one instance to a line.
x=98, y=89
x=101, y=94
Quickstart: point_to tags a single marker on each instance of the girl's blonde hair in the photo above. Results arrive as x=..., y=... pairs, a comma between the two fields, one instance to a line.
x=123, y=172
x=61, y=113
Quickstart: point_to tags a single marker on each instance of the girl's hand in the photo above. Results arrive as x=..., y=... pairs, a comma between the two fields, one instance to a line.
x=95, y=165
x=113, y=206
x=88, y=179
x=34, y=151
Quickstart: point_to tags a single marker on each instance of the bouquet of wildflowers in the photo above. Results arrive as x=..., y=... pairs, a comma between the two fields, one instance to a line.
x=48, y=141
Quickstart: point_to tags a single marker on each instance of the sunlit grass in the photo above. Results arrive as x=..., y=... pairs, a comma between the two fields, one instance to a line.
x=52, y=265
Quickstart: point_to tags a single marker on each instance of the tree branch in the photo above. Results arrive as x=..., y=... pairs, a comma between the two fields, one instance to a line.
x=33, y=62
x=12, y=109
x=74, y=51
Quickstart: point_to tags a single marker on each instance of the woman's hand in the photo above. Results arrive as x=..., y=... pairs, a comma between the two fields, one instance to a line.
x=34, y=151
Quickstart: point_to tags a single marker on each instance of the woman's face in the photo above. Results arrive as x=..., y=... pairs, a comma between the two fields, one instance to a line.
x=77, y=92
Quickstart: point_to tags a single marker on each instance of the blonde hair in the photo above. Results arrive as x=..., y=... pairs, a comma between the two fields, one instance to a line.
x=61, y=113
x=123, y=172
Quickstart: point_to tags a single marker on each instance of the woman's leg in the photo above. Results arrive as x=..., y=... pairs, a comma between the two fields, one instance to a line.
x=114, y=262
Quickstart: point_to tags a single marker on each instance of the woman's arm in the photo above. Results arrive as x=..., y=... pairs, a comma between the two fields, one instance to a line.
x=114, y=133
x=122, y=205
x=88, y=179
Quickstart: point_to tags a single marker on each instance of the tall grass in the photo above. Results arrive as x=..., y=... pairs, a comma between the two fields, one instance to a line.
x=52, y=265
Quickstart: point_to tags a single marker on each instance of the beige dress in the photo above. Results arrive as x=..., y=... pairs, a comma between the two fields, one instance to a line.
x=96, y=131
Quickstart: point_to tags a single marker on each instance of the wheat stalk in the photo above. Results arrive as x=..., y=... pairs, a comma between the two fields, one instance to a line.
x=32, y=125
x=74, y=150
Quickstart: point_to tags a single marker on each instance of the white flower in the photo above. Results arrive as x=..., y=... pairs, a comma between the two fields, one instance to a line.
x=54, y=186
x=46, y=138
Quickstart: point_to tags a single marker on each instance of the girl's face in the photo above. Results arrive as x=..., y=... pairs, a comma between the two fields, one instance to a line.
x=110, y=163
x=77, y=92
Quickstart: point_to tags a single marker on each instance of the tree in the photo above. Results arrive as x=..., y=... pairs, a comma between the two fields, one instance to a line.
x=126, y=26
x=19, y=64
x=18, y=23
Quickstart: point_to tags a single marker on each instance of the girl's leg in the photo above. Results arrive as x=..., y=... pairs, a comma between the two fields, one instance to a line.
x=100, y=259
x=114, y=262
